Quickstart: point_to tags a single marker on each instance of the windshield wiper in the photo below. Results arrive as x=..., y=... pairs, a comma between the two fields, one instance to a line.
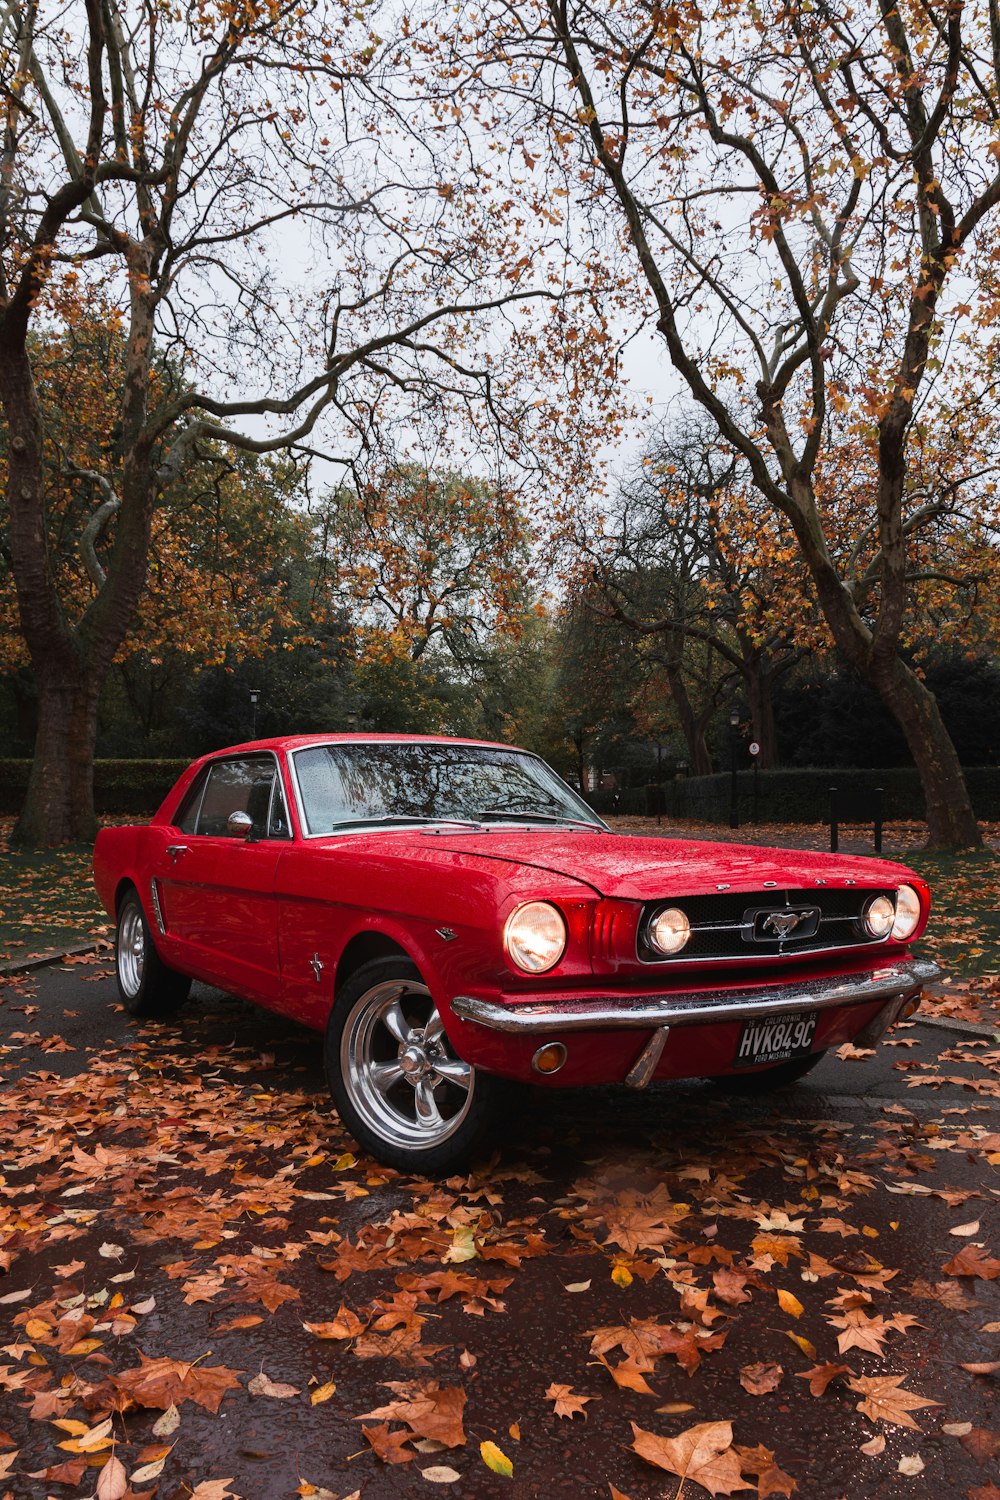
x=400, y=818
x=511, y=816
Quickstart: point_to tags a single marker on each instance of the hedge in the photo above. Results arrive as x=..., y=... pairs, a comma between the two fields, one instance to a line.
x=120, y=786
x=792, y=796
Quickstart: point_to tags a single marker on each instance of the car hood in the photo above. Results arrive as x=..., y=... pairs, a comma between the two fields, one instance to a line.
x=641, y=869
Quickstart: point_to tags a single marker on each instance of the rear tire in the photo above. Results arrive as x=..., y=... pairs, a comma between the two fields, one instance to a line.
x=148, y=988
x=398, y=1085
x=768, y=1079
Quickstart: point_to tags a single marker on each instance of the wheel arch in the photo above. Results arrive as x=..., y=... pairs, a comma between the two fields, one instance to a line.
x=125, y=884
x=361, y=949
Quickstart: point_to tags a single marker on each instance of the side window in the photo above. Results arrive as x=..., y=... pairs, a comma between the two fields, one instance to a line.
x=187, y=813
x=240, y=785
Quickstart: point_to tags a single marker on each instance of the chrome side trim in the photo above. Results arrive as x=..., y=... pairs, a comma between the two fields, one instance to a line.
x=155, y=895
x=628, y=1012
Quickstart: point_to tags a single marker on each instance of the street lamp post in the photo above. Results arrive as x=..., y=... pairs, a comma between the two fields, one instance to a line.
x=254, y=697
x=734, y=816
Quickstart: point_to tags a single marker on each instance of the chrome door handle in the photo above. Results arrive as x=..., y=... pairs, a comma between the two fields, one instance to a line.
x=174, y=849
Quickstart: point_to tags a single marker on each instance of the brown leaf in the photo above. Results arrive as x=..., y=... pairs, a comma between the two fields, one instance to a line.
x=429, y=1410
x=164, y=1382
x=819, y=1376
x=704, y=1454
x=112, y=1481
x=263, y=1385
x=981, y=1443
x=770, y=1479
x=758, y=1379
x=972, y=1261
x=566, y=1403
x=388, y=1445
x=886, y=1401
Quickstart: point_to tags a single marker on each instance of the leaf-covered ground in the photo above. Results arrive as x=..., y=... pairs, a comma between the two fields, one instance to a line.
x=206, y=1291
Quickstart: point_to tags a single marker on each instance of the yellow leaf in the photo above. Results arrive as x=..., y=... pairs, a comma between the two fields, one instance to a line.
x=322, y=1393
x=789, y=1303
x=803, y=1344
x=621, y=1276
x=463, y=1246
x=515, y=1431
x=343, y=1163
x=871, y=1232
x=35, y=1328
x=495, y=1460
x=85, y=1346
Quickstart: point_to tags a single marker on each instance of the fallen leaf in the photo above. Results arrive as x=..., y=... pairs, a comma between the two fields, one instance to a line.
x=704, y=1454
x=322, y=1393
x=789, y=1303
x=168, y=1423
x=965, y=1230
x=566, y=1403
x=112, y=1481
x=759, y=1379
x=263, y=1385
x=495, y=1460
x=910, y=1464
x=972, y=1261
x=438, y=1474
x=886, y=1401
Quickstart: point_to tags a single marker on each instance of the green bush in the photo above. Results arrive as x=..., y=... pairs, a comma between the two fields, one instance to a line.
x=793, y=796
x=120, y=786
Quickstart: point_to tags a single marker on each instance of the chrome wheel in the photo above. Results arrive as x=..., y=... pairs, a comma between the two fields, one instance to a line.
x=400, y=1073
x=131, y=949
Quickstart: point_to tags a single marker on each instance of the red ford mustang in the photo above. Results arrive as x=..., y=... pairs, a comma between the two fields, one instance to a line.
x=452, y=917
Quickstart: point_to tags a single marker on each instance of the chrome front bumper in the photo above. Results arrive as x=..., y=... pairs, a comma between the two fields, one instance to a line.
x=613, y=1013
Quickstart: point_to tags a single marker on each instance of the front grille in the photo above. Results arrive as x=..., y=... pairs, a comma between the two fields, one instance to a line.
x=734, y=924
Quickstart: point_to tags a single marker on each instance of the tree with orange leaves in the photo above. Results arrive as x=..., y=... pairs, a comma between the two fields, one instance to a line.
x=805, y=198
x=239, y=182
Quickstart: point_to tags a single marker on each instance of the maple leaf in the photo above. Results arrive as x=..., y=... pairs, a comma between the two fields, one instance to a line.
x=972, y=1261
x=566, y=1403
x=389, y=1445
x=819, y=1376
x=430, y=1410
x=859, y=1331
x=771, y=1480
x=886, y=1401
x=703, y=1454
x=164, y=1382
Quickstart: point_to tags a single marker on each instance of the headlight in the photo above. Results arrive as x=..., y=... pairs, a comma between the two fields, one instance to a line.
x=879, y=916
x=668, y=931
x=534, y=937
x=907, y=913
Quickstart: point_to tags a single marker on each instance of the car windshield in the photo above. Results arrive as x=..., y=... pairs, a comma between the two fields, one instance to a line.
x=396, y=781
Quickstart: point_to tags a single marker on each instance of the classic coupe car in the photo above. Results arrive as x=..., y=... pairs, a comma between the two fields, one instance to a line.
x=454, y=918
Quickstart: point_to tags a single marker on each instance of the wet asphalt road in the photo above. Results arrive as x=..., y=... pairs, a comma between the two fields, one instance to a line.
x=563, y=1147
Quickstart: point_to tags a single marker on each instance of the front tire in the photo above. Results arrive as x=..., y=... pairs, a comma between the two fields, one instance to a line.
x=399, y=1087
x=768, y=1079
x=147, y=987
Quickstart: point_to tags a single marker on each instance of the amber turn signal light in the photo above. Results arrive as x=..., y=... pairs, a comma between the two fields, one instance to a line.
x=550, y=1058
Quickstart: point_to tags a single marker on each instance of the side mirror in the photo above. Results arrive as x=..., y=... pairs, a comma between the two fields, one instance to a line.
x=239, y=825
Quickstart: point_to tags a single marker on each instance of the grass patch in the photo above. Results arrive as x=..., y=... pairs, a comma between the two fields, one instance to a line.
x=47, y=899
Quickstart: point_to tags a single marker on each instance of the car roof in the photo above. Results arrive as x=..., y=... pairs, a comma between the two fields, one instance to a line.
x=356, y=737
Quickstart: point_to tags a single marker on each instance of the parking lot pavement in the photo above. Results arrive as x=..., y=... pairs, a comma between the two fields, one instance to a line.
x=184, y=1194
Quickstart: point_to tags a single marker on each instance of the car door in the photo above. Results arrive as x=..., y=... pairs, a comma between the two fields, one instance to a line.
x=215, y=883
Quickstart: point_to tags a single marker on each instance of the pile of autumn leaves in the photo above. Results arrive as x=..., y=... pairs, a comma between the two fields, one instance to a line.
x=189, y=1156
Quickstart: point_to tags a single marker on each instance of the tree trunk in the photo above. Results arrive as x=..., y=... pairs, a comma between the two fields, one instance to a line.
x=951, y=821
x=760, y=694
x=692, y=727
x=59, y=807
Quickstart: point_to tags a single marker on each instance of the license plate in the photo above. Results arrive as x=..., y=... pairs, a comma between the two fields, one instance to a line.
x=775, y=1039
